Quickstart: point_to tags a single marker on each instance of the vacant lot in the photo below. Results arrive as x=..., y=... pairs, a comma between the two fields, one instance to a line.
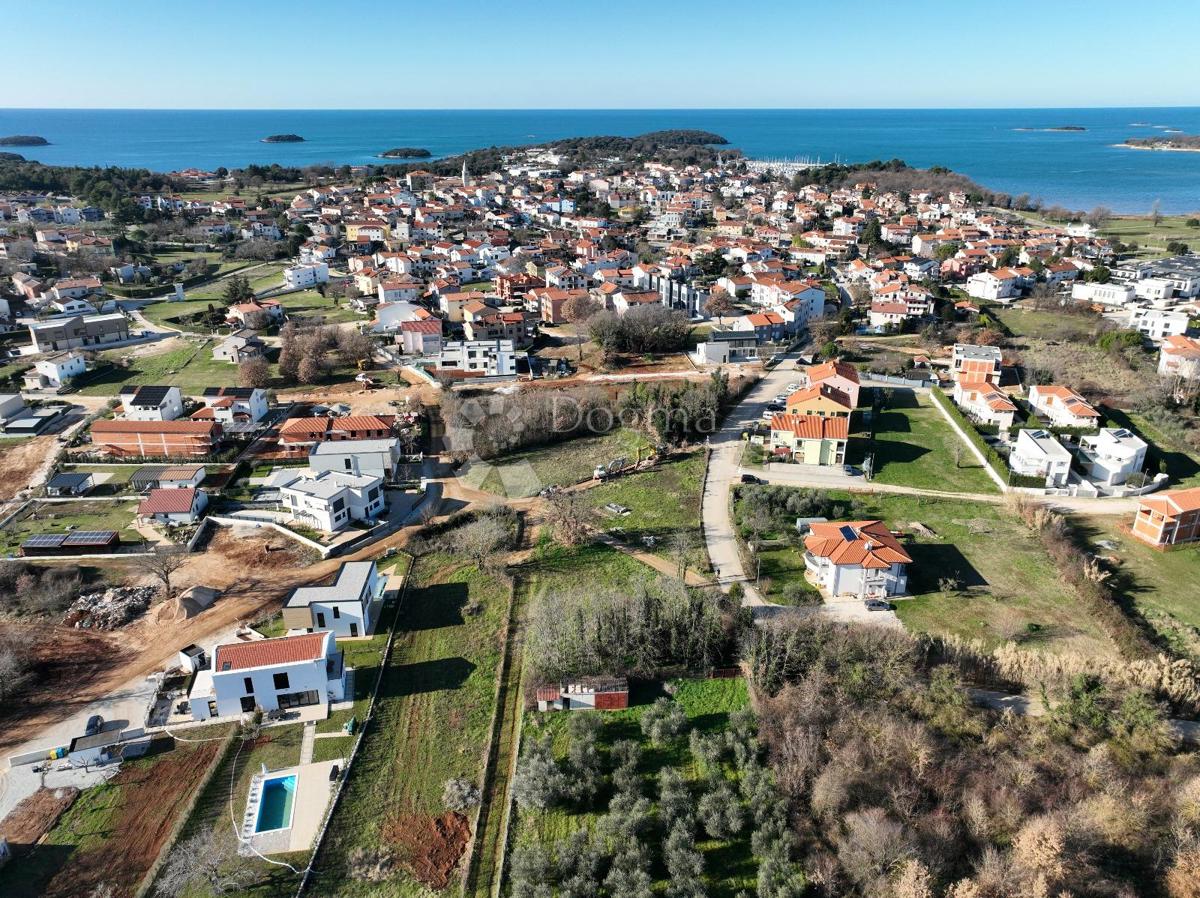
x=1151, y=238
x=730, y=865
x=309, y=305
x=62, y=517
x=1178, y=460
x=914, y=446
x=1007, y=587
x=1163, y=586
x=1046, y=324
x=178, y=314
x=523, y=473
x=187, y=364
x=112, y=833
x=660, y=501
x=430, y=725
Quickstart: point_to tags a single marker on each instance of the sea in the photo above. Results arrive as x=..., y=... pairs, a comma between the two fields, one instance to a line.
x=1014, y=151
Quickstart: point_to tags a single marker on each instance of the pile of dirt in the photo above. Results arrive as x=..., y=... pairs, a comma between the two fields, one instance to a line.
x=256, y=549
x=430, y=847
x=35, y=816
x=110, y=608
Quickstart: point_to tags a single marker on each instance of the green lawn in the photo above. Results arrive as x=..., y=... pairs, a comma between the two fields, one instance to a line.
x=661, y=500
x=914, y=446
x=1177, y=460
x=782, y=577
x=311, y=304
x=1044, y=324
x=190, y=367
x=65, y=516
x=1152, y=239
x=1163, y=586
x=174, y=314
x=479, y=287
x=524, y=473
x=431, y=721
x=730, y=866
x=554, y=567
x=1009, y=588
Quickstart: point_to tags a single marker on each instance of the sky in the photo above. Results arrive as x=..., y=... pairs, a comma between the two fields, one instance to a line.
x=464, y=54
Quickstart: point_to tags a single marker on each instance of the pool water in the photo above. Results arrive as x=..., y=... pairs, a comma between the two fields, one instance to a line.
x=275, y=806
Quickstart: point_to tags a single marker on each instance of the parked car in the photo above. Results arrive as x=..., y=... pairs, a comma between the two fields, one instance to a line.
x=776, y=407
x=877, y=605
x=750, y=478
x=94, y=725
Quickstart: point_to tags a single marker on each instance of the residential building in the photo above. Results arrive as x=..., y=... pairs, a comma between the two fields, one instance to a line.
x=269, y=674
x=300, y=434
x=328, y=500
x=347, y=607
x=153, y=439
x=376, y=458
x=239, y=347
x=79, y=331
x=483, y=357
x=298, y=277
x=1039, y=454
x=1179, y=356
x=256, y=313
x=981, y=401
x=421, y=337
x=70, y=483
x=724, y=347
x=810, y=440
x=976, y=363
x=151, y=403
x=1062, y=406
x=1168, y=519
x=1116, y=295
x=230, y=405
x=821, y=400
x=1157, y=325
x=839, y=375
x=55, y=371
x=856, y=558
x=1112, y=455
x=183, y=505
x=998, y=286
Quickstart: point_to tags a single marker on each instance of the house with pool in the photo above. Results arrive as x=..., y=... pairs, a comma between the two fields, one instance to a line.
x=282, y=674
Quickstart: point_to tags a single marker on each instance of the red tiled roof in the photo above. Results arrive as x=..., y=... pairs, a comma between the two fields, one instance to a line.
x=818, y=373
x=297, y=426
x=361, y=422
x=263, y=652
x=813, y=427
x=189, y=427
x=168, y=501
x=868, y=544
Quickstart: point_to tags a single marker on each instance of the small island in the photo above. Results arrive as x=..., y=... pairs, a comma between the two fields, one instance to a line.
x=1180, y=143
x=1056, y=128
x=406, y=153
x=283, y=138
x=23, y=140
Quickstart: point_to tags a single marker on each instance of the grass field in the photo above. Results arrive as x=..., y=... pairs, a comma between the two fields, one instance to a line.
x=1008, y=586
x=431, y=721
x=729, y=865
x=1178, y=461
x=173, y=314
x=190, y=367
x=1163, y=586
x=661, y=500
x=914, y=446
x=524, y=473
x=62, y=517
x=782, y=577
x=309, y=304
x=1152, y=239
x=1044, y=324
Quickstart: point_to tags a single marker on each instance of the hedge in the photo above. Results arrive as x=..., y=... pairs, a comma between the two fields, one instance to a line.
x=994, y=458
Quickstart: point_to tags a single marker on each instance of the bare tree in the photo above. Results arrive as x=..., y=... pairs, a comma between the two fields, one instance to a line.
x=567, y=514
x=14, y=666
x=162, y=564
x=254, y=372
x=683, y=546
x=481, y=540
x=720, y=304
x=577, y=310
x=206, y=862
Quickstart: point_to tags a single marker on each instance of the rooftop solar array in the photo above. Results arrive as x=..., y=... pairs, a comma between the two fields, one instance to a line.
x=44, y=541
x=89, y=537
x=152, y=396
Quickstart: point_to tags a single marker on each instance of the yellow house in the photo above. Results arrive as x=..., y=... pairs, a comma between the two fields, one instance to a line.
x=810, y=440
x=821, y=401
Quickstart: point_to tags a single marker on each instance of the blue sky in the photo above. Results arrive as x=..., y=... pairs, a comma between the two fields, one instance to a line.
x=466, y=54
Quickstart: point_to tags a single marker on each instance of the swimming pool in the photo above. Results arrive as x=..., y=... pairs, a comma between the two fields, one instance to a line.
x=275, y=804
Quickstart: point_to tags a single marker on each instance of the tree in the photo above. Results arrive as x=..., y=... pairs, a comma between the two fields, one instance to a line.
x=481, y=539
x=205, y=862
x=237, y=290
x=567, y=515
x=539, y=782
x=683, y=544
x=663, y=721
x=289, y=353
x=1099, y=216
x=586, y=767
x=629, y=876
x=14, y=665
x=459, y=794
x=161, y=564
x=254, y=372
x=685, y=865
x=577, y=310
x=719, y=304
x=1156, y=213
x=720, y=812
x=674, y=799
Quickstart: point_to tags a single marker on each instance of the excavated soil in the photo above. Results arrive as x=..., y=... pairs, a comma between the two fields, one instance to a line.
x=430, y=847
x=35, y=816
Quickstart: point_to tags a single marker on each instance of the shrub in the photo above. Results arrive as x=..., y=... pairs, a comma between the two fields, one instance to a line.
x=663, y=721
x=460, y=794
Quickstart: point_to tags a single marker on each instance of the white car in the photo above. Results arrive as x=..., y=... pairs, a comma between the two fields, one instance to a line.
x=792, y=388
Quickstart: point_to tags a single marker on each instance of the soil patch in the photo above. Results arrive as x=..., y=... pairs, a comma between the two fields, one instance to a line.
x=151, y=796
x=430, y=847
x=35, y=816
x=19, y=462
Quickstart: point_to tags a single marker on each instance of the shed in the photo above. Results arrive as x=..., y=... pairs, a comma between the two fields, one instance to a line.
x=73, y=483
x=595, y=693
x=147, y=477
x=78, y=542
x=96, y=748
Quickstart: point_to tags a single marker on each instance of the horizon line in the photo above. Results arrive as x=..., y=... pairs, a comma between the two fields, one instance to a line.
x=578, y=108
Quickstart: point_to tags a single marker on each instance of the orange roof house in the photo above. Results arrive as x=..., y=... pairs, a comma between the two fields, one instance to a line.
x=837, y=374
x=821, y=399
x=856, y=558
x=1168, y=519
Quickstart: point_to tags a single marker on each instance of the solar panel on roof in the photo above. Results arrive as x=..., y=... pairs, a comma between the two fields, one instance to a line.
x=89, y=537
x=848, y=533
x=150, y=395
x=44, y=541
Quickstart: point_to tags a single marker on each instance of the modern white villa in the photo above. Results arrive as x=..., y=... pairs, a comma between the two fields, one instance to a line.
x=1039, y=454
x=328, y=500
x=347, y=607
x=1112, y=455
x=856, y=558
x=271, y=674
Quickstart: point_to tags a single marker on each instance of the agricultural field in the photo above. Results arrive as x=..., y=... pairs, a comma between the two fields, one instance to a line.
x=914, y=446
x=430, y=725
x=983, y=575
x=112, y=833
x=729, y=865
x=65, y=516
x=1162, y=586
x=189, y=366
x=524, y=473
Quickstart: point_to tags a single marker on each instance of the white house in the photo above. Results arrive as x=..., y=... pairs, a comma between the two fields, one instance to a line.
x=151, y=403
x=55, y=371
x=1179, y=357
x=856, y=558
x=1158, y=324
x=1103, y=294
x=999, y=285
x=375, y=458
x=328, y=500
x=1063, y=406
x=1113, y=455
x=182, y=505
x=346, y=607
x=1039, y=454
x=300, y=276
x=487, y=357
x=234, y=404
x=271, y=674
x=982, y=402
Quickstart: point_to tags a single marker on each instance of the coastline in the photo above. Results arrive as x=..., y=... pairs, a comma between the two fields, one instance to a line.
x=1134, y=146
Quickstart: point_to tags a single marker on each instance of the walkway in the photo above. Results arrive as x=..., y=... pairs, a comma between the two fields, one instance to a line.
x=307, y=740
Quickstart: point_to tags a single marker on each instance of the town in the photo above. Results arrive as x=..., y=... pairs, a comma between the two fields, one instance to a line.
x=331, y=495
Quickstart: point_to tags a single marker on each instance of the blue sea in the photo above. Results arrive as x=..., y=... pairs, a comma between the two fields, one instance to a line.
x=1079, y=170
